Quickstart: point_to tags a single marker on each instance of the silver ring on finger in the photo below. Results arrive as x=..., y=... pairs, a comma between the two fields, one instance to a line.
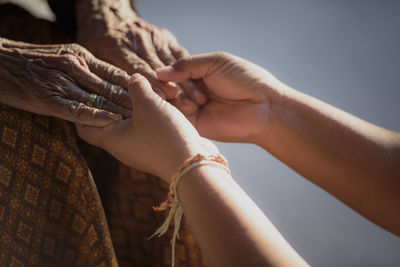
x=91, y=100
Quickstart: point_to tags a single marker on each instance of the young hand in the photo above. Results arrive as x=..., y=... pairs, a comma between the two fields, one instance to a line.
x=239, y=95
x=156, y=139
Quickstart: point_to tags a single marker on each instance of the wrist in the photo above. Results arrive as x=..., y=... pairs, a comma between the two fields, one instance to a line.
x=189, y=167
x=202, y=147
x=176, y=162
x=287, y=116
x=277, y=95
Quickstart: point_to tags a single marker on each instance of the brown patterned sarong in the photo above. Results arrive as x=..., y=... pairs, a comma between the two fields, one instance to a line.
x=53, y=212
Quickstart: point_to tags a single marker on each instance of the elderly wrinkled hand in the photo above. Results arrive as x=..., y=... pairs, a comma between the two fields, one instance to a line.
x=63, y=81
x=119, y=36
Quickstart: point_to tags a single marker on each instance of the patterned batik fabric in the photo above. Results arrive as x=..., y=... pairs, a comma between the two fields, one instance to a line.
x=128, y=196
x=53, y=212
x=50, y=211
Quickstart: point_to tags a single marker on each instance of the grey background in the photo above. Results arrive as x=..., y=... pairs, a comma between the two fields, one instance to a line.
x=343, y=52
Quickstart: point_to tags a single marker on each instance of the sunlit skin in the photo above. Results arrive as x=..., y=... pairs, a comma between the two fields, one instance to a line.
x=229, y=227
x=352, y=159
x=115, y=33
x=57, y=80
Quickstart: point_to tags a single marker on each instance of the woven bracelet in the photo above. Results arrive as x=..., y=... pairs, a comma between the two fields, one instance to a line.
x=172, y=201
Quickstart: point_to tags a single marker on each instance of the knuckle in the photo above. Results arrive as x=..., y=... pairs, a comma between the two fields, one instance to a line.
x=80, y=112
x=139, y=83
x=91, y=112
x=75, y=47
x=59, y=50
x=83, y=51
x=221, y=54
x=138, y=23
x=75, y=62
x=70, y=59
x=162, y=46
x=74, y=108
x=100, y=102
x=180, y=52
x=165, y=30
x=120, y=73
x=219, y=58
x=169, y=35
x=139, y=65
x=181, y=63
x=140, y=31
x=116, y=93
x=134, y=34
x=136, y=83
x=79, y=51
x=141, y=37
x=114, y=72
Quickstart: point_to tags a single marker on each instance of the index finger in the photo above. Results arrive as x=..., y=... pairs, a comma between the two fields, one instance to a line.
x=191, y=67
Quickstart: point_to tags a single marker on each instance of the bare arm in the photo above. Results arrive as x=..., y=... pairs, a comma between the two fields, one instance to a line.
x=355, y=161
x=230, y=229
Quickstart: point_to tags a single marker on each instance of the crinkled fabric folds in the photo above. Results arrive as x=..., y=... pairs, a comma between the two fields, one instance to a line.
x=54, y=212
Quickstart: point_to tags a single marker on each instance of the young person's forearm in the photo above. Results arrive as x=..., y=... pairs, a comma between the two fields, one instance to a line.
x=356, y=161
x=230, y=229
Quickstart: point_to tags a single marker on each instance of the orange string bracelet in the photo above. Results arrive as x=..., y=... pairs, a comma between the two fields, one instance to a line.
x=172, y=201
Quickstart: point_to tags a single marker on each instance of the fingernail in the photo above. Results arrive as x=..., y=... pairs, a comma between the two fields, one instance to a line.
x=197, y=94
x=177, y=89
x=114, y=117
x=165, y=69
x=173, y=85
x=200, y=97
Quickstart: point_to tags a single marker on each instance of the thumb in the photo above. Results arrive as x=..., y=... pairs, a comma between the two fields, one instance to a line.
x=192, y=67
x=92, y=135
x=140, y=89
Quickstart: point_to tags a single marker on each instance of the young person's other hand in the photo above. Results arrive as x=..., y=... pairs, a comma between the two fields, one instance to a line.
x=239, y=95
